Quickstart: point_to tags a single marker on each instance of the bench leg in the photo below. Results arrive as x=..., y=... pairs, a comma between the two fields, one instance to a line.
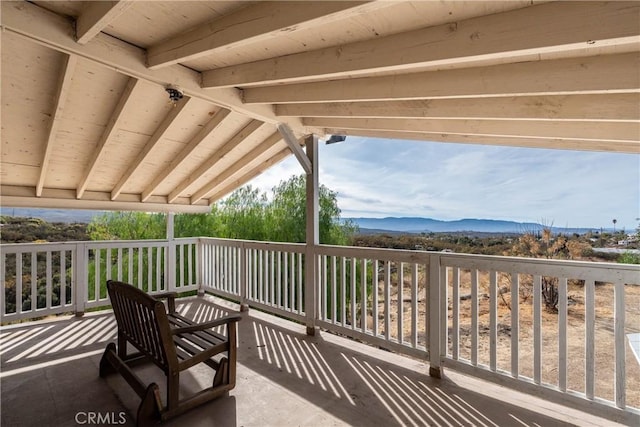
x=222, y=373
x=106, y=367
x=148, y=413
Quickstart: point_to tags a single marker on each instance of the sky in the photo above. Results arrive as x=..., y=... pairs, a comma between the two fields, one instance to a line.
x=379, y=178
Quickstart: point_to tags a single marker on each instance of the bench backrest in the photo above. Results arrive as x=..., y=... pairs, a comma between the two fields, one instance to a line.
x=143, y=321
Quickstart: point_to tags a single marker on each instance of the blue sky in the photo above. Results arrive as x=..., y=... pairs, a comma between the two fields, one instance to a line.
x=379, y=178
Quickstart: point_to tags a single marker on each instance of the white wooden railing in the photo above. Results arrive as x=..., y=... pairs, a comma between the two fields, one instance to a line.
x=265, y=275
x=74, y=274
x=453, y=310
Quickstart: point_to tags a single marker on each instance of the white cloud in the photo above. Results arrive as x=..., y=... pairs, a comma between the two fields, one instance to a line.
x=377, y=178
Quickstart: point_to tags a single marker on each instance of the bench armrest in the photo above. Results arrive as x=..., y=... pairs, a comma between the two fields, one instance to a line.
x=207, y=325
x=170, y=297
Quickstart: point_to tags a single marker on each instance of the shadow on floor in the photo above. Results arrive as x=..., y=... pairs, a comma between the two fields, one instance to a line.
x=285, y=378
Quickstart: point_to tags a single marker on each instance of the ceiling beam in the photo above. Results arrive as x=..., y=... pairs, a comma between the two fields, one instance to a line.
x=251, y=24
x=18, y=196
x=205, y=167
x=157, y=136
x=619, y=107
x=111, y=128
x=177, y=161
x=239, y=182
x=590, y=75
x=96, y=15
x=548, y=28
x=595, y=131
x=64, y=82
x=251, y=157
x=56, y=32
x=511, y=141
x=295, y=147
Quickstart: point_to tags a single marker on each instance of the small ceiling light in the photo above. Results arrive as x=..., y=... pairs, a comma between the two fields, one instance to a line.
x=175, y=94
x=335, y=138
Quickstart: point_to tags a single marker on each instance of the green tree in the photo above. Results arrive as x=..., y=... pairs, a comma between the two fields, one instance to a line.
x=286, y=214
x=245, y=214
x=128, y=226
x=242, y=214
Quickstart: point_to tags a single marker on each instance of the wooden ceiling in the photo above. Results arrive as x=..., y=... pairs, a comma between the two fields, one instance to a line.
x=87, y=121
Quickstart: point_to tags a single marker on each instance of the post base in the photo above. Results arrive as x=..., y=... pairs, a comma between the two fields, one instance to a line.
x=79, y=313
x=244, y=307
x=436, y=372
x=200, y=292
x=311, y=331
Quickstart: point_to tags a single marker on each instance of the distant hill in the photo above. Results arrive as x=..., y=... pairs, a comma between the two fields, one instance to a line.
x=52, y=215
x=429, y=225
x=367, y=225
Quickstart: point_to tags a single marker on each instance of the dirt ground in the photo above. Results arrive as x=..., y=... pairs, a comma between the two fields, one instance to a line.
x=604, y=341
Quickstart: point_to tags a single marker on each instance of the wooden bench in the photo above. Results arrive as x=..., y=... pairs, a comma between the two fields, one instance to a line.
x=173, y=343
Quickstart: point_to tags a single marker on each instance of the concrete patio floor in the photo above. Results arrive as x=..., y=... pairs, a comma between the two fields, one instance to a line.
x=49, y=377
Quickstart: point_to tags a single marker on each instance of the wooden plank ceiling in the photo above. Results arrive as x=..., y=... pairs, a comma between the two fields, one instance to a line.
x=87, y=121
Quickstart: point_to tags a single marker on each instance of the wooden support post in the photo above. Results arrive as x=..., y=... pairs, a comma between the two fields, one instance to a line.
x=313, y=236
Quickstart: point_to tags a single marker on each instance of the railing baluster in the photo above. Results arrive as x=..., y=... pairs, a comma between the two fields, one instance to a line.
x=343, y=289
x=34, y=281
x=589, y=338
x=515, y=324
x=107, y=264
x=159, y=285
x=387, y=300
x=80, y=278
x=493, y=320
x=19, y=282
x=3, y=288
x=414, y=306
x=354, y=275
x=618, y=328
x=181, y=281
x=286, y=288
x=324, y=288
x=130, y=264
x=562, y=334
x=279, y=279
x=251, y=274
x=96, y=280
x=149, y=270
x=260, y=256
x=375, y=297
x=49, y=280
x=120, y=264
x=400, y=302
x=63, y=278
x=334, y=286
x=190, y=280
x=537, y=329
x=474, y=317
x=140, y=266
x=363, y=297
x=455, y=306
x=300, y=283
x=269, y=262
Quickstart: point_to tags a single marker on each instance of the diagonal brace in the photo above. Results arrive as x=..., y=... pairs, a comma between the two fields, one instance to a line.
x=292, y=142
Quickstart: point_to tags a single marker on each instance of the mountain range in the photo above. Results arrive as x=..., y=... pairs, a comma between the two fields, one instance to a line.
x=389, y=224
x=429, y=225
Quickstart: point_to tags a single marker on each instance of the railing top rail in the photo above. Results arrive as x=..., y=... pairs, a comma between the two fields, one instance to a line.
x=39, y=247
x=599, y=271
x=402, y=255
x=255, y=244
